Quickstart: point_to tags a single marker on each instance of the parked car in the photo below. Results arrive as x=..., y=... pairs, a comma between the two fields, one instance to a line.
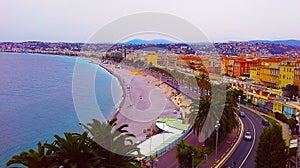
x=265, y=122
x=248, y=136
x=242, y=114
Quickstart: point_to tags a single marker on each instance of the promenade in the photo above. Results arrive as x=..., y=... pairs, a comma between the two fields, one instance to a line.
x=145, y=99
x=168, y=160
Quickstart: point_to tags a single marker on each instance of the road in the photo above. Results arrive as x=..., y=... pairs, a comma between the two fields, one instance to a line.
x=244, y=155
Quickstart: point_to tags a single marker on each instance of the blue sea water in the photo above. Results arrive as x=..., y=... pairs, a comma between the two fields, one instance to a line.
x=36, y=99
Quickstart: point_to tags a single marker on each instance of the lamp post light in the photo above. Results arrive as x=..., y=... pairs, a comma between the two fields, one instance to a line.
x=217, y=126
x=239, y=105
x=204, y=155
x=297, y=133
x=164, y=133
x=193, y=155
x=149, y=132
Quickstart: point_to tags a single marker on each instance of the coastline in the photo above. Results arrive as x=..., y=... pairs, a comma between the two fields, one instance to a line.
x=144, y=81
x=95, y=61
x=130, y=109
x=138, y=113
x=121, y=102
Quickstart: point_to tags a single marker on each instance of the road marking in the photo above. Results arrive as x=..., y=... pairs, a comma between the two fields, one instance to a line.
x=236, y=143
x=252, y=143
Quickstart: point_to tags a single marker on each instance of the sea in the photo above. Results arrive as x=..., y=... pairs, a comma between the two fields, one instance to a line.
x=44, y=95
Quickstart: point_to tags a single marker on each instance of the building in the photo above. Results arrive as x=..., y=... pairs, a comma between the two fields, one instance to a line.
x=278, y=106
x=297, y=73
x=237, y=66
x=196, y=64
x=255, y=73
x=269, y=71
x=234, y=67
x=152, y=59
x=286, y=71
x=224, y=65
x=167, y=60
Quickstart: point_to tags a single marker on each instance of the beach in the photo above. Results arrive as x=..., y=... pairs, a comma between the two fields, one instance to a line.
x=143, y=102
x=144, y=99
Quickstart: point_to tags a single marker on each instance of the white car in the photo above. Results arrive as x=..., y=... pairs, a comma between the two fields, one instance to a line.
x=248, y=136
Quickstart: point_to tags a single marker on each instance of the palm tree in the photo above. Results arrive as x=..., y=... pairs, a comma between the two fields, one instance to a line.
x=185, y=154
x=109, y=147
x=113, y=143
x=75, y=150
x=203, y=83
x=198, y=113
x=41, y=158
x=228, y=119
x=206, y=111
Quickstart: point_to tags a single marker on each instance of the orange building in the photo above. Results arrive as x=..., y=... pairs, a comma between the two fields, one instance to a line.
x=236, y=66
x=193, y=62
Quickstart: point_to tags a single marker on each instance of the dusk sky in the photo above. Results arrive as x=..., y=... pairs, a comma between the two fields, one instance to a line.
x=219, y=20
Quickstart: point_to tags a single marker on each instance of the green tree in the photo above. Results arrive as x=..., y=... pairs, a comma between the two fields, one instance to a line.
x=114, y=143
x=110, y=146
x=42, y=158
x=185, y=152
x=271, y=151
x=238, y=93
x=228, y=121
x=74, y=150
x=200, y=109
x=290, y=91
x=203, y=83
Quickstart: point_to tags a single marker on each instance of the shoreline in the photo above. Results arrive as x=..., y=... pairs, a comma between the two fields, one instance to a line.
x=145, y=85
x=96, y=61
x=121, y=102
x=139, y=117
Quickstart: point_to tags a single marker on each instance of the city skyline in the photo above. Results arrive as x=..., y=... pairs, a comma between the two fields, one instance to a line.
x=220, y=21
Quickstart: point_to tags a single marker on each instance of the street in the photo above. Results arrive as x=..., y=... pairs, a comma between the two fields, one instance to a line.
x=244, y=155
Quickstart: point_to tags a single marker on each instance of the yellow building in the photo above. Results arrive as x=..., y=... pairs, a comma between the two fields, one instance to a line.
x=278, y=106
x=269, y=72
x=269, y=76
x=152, y=59
x=225, y=63
x=286, y=73
x=255, y=73
x=275, y=91
x=289, y=109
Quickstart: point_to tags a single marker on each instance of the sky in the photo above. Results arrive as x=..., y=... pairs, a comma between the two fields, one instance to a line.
x=79, y=20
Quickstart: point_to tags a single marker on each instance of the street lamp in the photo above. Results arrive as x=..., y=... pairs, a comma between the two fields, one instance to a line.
x=217, y=126
x=149, y=132
x=193, y=155
x=297, y=149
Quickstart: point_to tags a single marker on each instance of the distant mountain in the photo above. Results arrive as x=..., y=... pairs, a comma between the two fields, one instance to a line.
x=154, y=41
x=285, y=42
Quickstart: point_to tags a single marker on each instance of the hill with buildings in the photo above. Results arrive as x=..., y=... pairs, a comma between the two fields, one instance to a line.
x=254, y=49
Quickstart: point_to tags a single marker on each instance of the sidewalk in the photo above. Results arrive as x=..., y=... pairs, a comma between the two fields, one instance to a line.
x=223, y=150
x=168, y=160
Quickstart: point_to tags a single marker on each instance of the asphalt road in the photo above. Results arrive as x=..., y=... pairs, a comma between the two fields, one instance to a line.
x=244, y=155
